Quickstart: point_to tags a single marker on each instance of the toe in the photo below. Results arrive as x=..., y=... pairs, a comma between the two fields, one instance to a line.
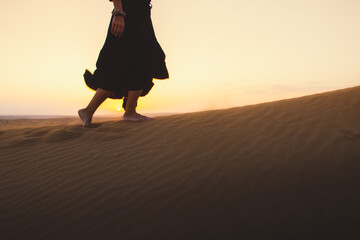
x=145, y=118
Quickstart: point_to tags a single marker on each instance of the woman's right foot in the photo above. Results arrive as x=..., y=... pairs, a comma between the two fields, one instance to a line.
x=135, y=117
x=85, y=117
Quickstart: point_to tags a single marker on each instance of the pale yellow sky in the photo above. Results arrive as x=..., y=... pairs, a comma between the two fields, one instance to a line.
x=219, y=56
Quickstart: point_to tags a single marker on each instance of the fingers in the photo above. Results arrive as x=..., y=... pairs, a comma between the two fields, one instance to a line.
x=121, y=30
x=117, y=28
x=118, y=32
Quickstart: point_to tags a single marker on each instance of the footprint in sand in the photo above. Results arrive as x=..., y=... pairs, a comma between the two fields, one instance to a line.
x=62, y=135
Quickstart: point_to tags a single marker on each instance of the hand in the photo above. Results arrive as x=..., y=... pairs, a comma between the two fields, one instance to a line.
x=118, y=25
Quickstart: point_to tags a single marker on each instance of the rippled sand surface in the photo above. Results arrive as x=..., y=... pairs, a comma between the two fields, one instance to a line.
x=288, y=169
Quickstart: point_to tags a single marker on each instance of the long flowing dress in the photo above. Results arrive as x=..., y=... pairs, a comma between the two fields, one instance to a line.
x=132, y=61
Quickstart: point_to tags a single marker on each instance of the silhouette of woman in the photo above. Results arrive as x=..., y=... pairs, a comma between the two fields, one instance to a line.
x=128, y=61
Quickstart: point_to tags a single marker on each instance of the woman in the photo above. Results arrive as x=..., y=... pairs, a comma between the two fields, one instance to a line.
x=129, y=60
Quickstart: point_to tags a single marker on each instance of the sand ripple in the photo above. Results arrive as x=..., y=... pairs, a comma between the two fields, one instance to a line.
x=288, y=169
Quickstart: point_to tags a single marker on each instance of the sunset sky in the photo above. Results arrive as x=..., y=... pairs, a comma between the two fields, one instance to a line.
x=218, y=56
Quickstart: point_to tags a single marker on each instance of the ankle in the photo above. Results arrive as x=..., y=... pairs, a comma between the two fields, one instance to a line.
x=130, y=112
x=87, y=111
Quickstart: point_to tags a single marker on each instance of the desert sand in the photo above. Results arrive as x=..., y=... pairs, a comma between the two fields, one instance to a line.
x=287, y=169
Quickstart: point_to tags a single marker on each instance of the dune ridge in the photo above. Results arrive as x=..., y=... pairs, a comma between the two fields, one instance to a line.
x=287, y=169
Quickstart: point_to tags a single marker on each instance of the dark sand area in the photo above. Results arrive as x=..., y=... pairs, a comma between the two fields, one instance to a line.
x=288, y=169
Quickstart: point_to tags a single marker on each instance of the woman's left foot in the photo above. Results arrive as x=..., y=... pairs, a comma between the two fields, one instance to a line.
x=85, y=117
x=135, y=117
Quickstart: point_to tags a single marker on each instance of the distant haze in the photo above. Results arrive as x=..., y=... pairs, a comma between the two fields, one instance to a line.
x=220, y=54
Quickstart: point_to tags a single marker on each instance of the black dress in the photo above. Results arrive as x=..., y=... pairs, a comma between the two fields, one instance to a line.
x=129, y=62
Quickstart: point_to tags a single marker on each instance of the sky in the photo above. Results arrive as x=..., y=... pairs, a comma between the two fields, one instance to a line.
x=220, y=54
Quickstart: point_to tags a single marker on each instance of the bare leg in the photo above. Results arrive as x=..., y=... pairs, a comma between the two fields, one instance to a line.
x=130, y=111
x=87, y=113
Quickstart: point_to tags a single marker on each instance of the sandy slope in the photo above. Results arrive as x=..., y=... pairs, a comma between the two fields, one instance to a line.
x=288, y=169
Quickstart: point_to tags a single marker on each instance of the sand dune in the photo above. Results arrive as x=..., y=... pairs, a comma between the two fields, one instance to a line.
x=288, y=169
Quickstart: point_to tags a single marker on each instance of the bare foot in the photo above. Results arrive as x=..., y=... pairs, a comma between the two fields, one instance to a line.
x=85, y=117
x=135, y=117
